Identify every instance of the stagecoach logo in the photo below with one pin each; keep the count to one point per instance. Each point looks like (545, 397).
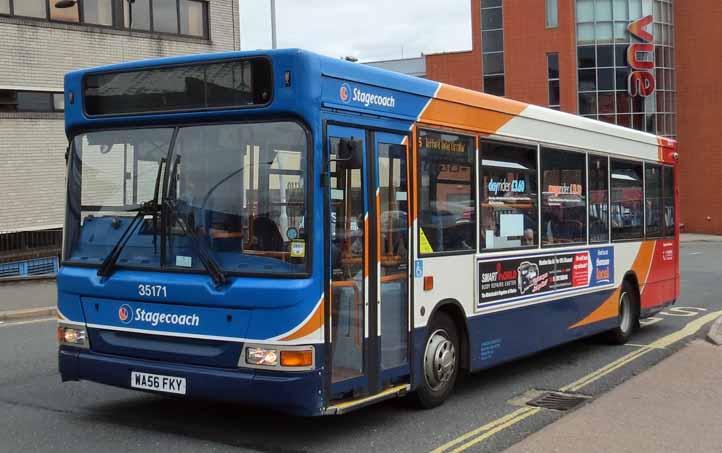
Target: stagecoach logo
(348, 94)
(345, 93)
(125, 313)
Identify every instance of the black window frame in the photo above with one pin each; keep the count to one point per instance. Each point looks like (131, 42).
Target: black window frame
(585, 193)
(118, 8)
(603, 157)
(271, 85)
(660, 197)
(551, 79)
(535, 148)
(641, 237)
(50, 95)
(472, 185)
(669, 232)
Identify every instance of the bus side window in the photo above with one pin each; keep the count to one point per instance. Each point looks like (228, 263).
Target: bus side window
(598, 199)
(564, 200)
(508, 192)
(627, 207)
(668, 201)
(447, 206)
(653, 200)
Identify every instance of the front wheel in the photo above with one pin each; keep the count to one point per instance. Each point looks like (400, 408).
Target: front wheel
(440, 362)
(628, 316)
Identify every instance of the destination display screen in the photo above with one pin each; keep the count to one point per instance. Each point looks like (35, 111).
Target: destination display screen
(226, 84)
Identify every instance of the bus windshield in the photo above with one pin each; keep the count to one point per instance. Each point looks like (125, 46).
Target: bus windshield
(237, 188)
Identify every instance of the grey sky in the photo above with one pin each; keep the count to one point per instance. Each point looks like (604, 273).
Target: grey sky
(368, 30)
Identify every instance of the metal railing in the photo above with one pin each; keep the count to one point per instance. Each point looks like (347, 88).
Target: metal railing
(24, 245)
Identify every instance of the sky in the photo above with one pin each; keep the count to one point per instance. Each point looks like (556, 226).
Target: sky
(369, 30)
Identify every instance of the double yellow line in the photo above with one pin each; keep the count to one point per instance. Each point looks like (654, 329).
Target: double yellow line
(482, 433)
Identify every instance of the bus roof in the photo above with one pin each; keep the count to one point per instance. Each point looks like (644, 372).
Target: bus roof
(369, 90)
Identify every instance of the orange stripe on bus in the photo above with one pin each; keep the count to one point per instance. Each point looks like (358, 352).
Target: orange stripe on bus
(313, 324)
(610, 307)
(459, 108)
(643, 262)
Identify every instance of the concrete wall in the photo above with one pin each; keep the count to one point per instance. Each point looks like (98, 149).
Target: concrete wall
(35, 55)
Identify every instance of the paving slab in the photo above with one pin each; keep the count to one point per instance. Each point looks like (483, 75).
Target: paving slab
(692, 237)
(674, 406)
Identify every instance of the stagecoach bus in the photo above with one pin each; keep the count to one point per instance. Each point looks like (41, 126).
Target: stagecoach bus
(311, 235)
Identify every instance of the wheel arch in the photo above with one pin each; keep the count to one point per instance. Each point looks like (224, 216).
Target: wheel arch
(631, 277)
(453, 309)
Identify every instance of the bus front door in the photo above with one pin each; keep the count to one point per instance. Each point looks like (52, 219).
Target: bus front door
(368, 255)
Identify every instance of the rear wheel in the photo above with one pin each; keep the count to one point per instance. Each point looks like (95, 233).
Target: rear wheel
(628, 315)
(440, 362)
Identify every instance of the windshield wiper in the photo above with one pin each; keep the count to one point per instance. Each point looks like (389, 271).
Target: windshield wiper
(209, 262)
(150, 207)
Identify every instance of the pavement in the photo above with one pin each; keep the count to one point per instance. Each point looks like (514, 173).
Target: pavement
(691, 237)
(27, 299)
(670, 407)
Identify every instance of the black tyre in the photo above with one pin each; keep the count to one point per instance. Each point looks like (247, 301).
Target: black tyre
(628, 315)
(440, 362)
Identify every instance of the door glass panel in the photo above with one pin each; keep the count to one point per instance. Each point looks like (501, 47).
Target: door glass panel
(393, 247)
(348, 253)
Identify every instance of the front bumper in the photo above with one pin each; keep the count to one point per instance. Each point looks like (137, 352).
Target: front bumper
(295, 393)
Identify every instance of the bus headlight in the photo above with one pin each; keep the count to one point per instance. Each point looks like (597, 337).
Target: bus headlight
(72, 336)
(277, 357)
(261, 356)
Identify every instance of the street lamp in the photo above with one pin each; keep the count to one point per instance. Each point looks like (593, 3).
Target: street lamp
(273, 24)
(65, 3)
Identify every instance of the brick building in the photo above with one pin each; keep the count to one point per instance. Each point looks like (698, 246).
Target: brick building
(574, 55)
(42, 42)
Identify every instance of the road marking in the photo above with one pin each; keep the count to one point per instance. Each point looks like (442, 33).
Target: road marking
(482, 433)
(683, 312)
(22, 323)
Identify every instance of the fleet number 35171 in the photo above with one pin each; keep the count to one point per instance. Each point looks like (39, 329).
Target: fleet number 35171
(152, 291)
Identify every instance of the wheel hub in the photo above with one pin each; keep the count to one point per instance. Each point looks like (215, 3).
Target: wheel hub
(625, 313)
(439, 360)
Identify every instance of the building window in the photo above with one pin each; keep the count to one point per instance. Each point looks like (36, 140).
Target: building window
(564, 198)
(447, 206)
(603, 40)
(165, 16)
(193, 20)
(552, 9)
(31, 101)
(627, 211)
(71, 14)
(508, 196)
(598, 199)
(185, 17)
(492, 43)
(98, 12)
(553, 78)
(31, 8)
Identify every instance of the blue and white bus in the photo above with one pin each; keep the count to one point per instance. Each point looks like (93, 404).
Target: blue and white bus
(310, 235)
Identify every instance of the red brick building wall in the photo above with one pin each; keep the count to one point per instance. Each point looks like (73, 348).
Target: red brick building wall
(527, 41)
(699, 94)
(460, 68)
